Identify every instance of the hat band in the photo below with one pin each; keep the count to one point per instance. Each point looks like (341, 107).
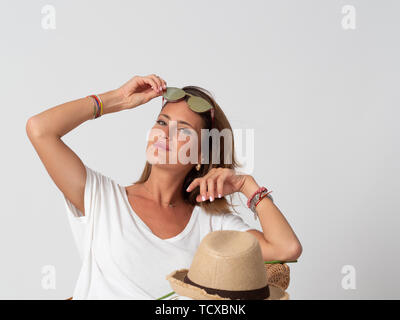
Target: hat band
(256, 294)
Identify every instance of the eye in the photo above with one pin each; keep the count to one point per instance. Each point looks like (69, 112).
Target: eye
(185, 131)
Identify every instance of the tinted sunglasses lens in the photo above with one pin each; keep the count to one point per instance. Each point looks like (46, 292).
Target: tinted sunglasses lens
(173, 94)
(198, 104)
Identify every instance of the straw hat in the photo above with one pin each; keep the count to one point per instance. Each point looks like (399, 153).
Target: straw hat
(228, 265)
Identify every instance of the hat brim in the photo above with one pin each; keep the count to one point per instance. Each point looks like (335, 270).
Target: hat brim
(182, 288)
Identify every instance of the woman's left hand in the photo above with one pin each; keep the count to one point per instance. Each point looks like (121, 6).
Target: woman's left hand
(218, 182)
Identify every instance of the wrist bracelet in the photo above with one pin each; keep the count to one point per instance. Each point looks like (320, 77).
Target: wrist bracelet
(101, 105)
(255, 199)
(261, 189)
(94, 106)
(98, 106)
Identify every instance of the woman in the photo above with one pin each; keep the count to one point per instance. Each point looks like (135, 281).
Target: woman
(131, 237)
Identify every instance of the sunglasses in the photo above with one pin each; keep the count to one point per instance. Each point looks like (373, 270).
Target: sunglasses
(197, 104)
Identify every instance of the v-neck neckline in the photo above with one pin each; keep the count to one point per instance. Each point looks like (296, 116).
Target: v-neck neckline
(179, 236)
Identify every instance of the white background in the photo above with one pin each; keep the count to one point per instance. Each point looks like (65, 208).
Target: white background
(323, 102)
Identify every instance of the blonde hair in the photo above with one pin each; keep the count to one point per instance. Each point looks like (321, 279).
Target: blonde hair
(219, 205)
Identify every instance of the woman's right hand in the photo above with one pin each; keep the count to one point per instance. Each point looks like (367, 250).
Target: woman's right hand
(139, 90)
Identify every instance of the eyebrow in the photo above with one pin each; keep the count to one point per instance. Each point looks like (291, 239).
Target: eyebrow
(180, 121)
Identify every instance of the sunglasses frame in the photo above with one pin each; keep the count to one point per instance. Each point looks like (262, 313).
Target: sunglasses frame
(190, 102)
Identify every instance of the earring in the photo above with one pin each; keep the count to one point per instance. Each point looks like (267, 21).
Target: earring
(198, 166)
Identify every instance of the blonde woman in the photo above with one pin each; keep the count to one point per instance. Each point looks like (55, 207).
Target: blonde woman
(131, 237)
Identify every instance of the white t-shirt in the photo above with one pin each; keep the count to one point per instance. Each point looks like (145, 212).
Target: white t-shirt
(121, 257)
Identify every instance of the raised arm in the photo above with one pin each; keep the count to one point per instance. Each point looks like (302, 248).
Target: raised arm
(46, 129)
(62, 164)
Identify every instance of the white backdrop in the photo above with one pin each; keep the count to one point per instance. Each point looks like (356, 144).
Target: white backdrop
(317, 81)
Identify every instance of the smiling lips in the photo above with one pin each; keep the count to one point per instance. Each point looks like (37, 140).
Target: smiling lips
(161, 145)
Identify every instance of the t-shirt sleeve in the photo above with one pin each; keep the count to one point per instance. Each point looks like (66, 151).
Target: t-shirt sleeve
(232, 221)
(96, 188)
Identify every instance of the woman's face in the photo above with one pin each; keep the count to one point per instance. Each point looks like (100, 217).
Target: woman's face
(174, 140)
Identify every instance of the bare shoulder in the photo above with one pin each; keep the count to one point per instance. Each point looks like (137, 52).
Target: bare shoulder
(134, 190)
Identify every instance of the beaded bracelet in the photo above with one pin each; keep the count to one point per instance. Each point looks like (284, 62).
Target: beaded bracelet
(99, 110)
(261, 189)
(255, 199)
(98, 106)
(95, 106)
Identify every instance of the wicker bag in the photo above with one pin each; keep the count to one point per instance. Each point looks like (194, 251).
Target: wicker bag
(278, 274)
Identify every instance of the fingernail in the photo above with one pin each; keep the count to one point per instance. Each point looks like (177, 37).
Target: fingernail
(219, 195)
(211, 199)
(203, 198)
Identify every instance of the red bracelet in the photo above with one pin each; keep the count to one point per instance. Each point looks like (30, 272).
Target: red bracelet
(262, 197)
(261, 189)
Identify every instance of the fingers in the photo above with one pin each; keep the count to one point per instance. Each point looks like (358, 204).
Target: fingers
(211, 185)
(159, 85)
(151, 82)
(220, 178)
(203, 189)
(220, 185)
(211, 182)
(163, 84)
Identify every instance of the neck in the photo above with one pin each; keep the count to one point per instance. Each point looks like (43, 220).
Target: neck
(165, 185)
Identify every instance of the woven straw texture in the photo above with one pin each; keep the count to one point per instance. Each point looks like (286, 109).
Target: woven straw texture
(278, 274)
